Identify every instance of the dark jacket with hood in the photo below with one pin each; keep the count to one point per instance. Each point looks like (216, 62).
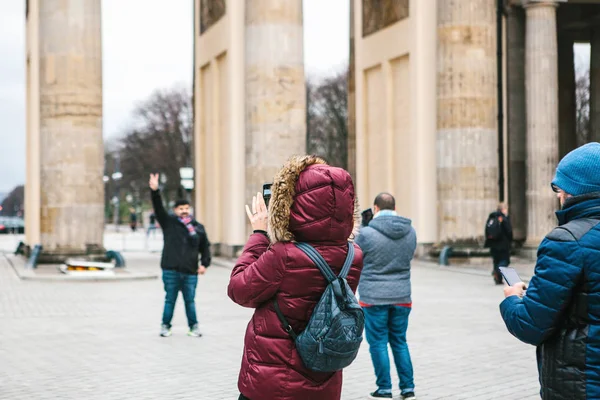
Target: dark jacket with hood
(503, 243)
(314, 203)
(388, 245)
(560, 312)
(180, 249)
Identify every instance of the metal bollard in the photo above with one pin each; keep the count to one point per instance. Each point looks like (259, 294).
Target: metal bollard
(445, 255)
(33, 258)
(117, 256)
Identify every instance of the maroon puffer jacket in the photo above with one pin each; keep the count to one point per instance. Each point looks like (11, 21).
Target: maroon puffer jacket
(322, 213)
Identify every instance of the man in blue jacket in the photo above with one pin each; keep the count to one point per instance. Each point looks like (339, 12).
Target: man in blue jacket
(388, 244)
(560, 310)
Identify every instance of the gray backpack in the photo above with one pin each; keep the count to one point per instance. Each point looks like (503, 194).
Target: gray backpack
(332, 337)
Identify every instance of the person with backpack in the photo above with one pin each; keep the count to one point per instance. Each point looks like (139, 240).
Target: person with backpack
(294, 350)
(498, 238)
(388, 244)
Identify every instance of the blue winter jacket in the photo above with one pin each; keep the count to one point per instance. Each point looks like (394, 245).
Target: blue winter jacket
(560, 312)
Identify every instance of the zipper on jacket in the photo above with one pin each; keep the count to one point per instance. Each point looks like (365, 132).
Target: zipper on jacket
(320, 341)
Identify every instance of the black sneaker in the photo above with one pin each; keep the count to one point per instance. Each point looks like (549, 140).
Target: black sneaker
(378, 395)
(409, 395)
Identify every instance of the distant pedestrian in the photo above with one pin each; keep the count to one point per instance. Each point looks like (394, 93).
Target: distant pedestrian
(132, 219)
(184, 240)
(151, 225)
(388, 244)
(498, 238)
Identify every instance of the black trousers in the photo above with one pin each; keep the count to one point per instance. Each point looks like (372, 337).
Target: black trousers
(500, 257)
(242, 397)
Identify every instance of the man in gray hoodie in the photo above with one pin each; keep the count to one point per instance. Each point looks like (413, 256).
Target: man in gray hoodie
(388, 244)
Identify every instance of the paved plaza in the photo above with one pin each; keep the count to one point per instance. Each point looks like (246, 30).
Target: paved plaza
(99, 340)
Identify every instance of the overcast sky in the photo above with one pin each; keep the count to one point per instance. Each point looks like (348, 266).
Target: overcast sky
(147, 44)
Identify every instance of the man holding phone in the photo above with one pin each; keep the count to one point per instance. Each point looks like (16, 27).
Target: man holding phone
(560, 312)
(388, 243)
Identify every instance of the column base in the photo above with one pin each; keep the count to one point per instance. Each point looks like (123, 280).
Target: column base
(529, 250)
(59, 256)
(227, 250)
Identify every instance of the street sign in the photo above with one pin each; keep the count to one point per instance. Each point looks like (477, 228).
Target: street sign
(187, 184)
(186, 173)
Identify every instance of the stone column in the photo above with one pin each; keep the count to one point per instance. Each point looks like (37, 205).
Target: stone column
(352, 100)
(32, 144)
(72, 152)
(595, 86)
(541, 73)
(467, 158)
(516, 120)
(567, 117)
(275, 88)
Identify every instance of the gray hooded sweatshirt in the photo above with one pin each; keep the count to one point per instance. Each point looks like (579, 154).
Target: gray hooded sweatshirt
(388, 244)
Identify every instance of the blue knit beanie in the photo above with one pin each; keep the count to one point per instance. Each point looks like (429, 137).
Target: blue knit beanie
(579, 171)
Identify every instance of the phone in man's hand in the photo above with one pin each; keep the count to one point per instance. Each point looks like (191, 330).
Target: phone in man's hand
(510, 275)
(267, 193)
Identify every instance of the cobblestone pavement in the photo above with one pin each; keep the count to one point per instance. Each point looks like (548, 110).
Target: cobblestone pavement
(99, 340)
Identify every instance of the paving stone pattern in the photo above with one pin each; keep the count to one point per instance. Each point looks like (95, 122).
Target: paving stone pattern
(99, 340)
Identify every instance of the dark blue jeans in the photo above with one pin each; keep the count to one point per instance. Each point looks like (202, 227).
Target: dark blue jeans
(383, 325)
(186, 283)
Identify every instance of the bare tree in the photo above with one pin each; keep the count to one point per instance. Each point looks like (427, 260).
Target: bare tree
(327, 118)
(160, 140)
(13, 204)
(582, 101)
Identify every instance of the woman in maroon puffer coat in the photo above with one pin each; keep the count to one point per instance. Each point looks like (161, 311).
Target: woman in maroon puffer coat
(314, 203)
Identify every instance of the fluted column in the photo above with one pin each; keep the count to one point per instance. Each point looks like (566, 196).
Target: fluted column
(275, 88)
(595, 85)
(467, 158)
(541, 72)
(72, 152)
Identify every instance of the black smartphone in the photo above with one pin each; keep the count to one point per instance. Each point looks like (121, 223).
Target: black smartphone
(267, 193)
(510, 275)
(367, 216)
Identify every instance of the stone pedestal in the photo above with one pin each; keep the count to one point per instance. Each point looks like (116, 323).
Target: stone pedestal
(542, 118)
(71, 155)
(516, 121)
(467, 159)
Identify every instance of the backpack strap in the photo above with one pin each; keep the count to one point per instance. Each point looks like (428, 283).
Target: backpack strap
(284, 322)
(325, 270)
(348, 262)
(318, 260)
(573, 231)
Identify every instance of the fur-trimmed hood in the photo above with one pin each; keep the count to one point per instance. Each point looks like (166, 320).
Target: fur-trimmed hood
(312, 201)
